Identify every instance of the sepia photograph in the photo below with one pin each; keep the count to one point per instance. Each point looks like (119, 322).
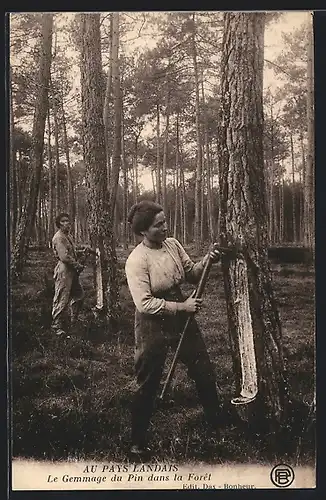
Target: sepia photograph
(161, 242)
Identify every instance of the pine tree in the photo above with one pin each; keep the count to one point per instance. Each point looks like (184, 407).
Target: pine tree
(28, 214)
(254, 326)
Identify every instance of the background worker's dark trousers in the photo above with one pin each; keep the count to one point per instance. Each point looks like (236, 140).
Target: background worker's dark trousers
(154, 335)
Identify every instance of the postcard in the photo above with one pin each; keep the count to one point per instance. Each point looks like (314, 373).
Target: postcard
(161, 221)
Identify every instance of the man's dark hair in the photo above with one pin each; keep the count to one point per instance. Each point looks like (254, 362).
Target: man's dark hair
(59, 217)
(142, 214)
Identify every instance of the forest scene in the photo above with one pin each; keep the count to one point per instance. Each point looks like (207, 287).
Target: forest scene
(211, 115)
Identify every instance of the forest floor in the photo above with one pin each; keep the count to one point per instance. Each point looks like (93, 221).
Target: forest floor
(71, 397)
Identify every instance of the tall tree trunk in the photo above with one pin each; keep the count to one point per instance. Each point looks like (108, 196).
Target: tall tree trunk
(165, 151)
(181, 212)
(19, 184)
(276, 229)
(27, 218)
(254, 326)
(94, 149)
(153, 183)
(78, 224)
(57, 197)
(38, 218)
(70, 187)
(202, 201)
(273, 229)
(176, 204)
(45, 220)
(271, 204)
(106, 108)
(199, 166)
(302, 182)
(116, 231)
(183, 191)
(13, 177)
(310, 161)
(204, 165)
(184, 207)
(281, 196)
(294, 223)
(299, 224)
(113, 286)
(177, 176)
(183, 229)
(218, 203)
(212, 207)
(209, 236)
(50, 198)
(207, 165)
(136, 189)
(271, 185)
(125, 187)
(158, 157)
(170, 219)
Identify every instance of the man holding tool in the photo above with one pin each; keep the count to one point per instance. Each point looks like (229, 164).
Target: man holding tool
(67, 287)
(155, 269)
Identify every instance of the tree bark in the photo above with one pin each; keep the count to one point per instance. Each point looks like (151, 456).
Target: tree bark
(106, 108)
(310, 161)
(254, 326)
(57, 197)
(38, 218)
(183, 191)
(302, 182)
(113, 311)
(208, 173)
(274, 229)
(135, 169)
(50, 196)
(210, 200)
(202, 200)
(27, 218)
(19, 183)
(177, 176)
(70, 187)
(45, 220)
(183, 208)
(13, 176)
(271, 212)
(158, 157)
(199, 166)
(165, 151)
(125, 187)
(294, 223)
(281, 196)
(94, 148)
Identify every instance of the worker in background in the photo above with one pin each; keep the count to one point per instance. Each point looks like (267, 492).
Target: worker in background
(67, 288)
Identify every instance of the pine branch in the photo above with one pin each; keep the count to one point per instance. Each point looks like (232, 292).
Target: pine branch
(281, 69)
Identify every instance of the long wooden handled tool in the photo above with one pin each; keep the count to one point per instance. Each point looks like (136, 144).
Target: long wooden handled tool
(196, 295)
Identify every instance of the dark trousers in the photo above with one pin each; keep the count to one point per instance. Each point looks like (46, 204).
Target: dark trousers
(154, 335)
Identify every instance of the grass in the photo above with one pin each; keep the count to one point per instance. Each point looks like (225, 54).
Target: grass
(71, 398)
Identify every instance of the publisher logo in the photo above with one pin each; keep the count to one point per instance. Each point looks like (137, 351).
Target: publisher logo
(282, 475)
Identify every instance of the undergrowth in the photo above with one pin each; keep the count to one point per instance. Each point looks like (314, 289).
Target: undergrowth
(71, 398)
